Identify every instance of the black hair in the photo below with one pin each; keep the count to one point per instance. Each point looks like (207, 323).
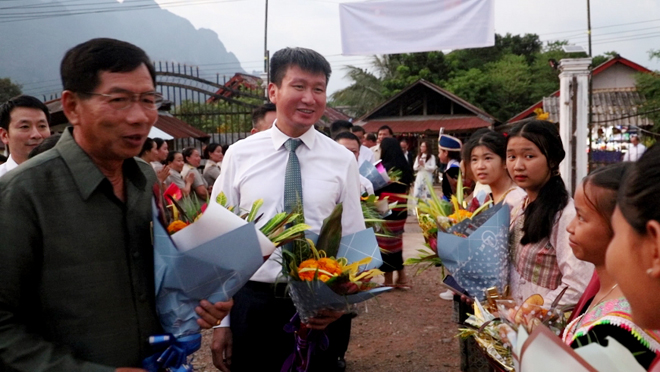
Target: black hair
(82, 64)
(386, 127)
(357, 128)
(170, 156)
(306, 59)
(3, 159)
(159, 142)
(608, 180)
(147, 146)
(638, 197)
(45, 145)
(392, 157)
(494, 141)
(455, 155)
(347, 135)
(371, 137)
(261, 111)
(553, 197)
(210, 149)
(20, 101)
(339, 126)
(429, 149)
(187, 152)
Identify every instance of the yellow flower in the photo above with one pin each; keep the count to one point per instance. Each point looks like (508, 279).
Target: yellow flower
(326, 268)
(460, 215)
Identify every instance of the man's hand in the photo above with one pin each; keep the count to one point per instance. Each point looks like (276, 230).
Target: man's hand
(221, 348)
(211, 314)
(323, 319)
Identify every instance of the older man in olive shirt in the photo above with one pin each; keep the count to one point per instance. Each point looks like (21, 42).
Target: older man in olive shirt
(76, 268)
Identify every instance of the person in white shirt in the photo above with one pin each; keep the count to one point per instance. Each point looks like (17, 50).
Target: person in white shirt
(365, 152)
(24, 124)
(352, 144)
(254, 168)
(424, 165)
(635, 150)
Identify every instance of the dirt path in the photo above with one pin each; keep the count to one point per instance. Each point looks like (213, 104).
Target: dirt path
(400, 331)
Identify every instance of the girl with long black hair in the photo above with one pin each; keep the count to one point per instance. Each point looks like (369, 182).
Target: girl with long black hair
(542, 260)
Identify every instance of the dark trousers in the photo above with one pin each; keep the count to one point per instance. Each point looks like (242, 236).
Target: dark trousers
(258, 317)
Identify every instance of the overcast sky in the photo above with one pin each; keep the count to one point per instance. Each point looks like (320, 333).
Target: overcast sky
(630, 27)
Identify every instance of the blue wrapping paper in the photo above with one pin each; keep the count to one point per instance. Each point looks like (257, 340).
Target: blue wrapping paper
(369, 171)
(214, 270)
(481, 260)
(312, 296)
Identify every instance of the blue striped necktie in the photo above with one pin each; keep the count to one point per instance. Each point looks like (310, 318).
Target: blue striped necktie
(292, 178)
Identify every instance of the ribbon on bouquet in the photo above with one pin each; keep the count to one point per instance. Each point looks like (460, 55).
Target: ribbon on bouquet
(306, 342)
(172, 353)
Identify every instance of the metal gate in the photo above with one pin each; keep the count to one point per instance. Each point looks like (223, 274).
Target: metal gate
(223, 112)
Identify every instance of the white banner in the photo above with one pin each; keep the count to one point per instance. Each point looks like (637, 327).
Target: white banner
(410, 26)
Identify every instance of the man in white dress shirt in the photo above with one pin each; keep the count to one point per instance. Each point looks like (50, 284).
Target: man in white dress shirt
(365, 153)
(23, 126)
(635, 150)
(254, 168)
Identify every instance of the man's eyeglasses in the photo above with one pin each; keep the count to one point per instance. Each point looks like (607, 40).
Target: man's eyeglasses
(124, 100)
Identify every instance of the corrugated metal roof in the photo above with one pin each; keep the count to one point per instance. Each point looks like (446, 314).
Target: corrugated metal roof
(428, 123)
(178, 128)
(330, 115)
(597, 70)
(610, 108)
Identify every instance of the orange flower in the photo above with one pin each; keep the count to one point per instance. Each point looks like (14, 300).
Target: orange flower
(460, 215)
(326, 268)
(176, 226)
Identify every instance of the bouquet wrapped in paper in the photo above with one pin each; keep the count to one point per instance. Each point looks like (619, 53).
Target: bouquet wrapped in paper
(473, 246)
(496, 324)
(376, 173)
(205, 252)
(331, 272)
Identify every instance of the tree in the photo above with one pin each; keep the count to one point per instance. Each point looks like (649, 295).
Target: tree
(8, 89)
(649, 86)
(365, 93)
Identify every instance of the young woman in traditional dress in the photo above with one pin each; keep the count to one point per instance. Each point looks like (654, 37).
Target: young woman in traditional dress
(607, 312)
(542, 261)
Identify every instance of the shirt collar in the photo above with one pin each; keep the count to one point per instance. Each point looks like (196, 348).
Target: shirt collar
(86, 175)
(308, 138)
(10, 163)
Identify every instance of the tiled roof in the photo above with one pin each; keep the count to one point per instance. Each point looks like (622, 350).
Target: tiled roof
(617, 107)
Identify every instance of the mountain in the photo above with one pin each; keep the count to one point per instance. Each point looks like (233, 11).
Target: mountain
(35, 34)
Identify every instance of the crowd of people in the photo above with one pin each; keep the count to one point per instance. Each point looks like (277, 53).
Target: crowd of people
(77, 276)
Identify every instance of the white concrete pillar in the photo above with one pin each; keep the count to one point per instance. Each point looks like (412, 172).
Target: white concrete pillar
(574, 126)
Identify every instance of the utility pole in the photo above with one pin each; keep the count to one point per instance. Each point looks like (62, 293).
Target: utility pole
(590, 111)
(266, 54)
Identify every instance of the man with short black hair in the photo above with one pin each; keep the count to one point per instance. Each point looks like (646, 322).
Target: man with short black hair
(256, 168)
(365, 153)
(77, 286)
(339, 126)
(263, 117)
(24, 124)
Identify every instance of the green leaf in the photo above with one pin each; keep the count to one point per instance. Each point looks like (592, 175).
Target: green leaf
(222, 199)
(254, 210)
(330, 235)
